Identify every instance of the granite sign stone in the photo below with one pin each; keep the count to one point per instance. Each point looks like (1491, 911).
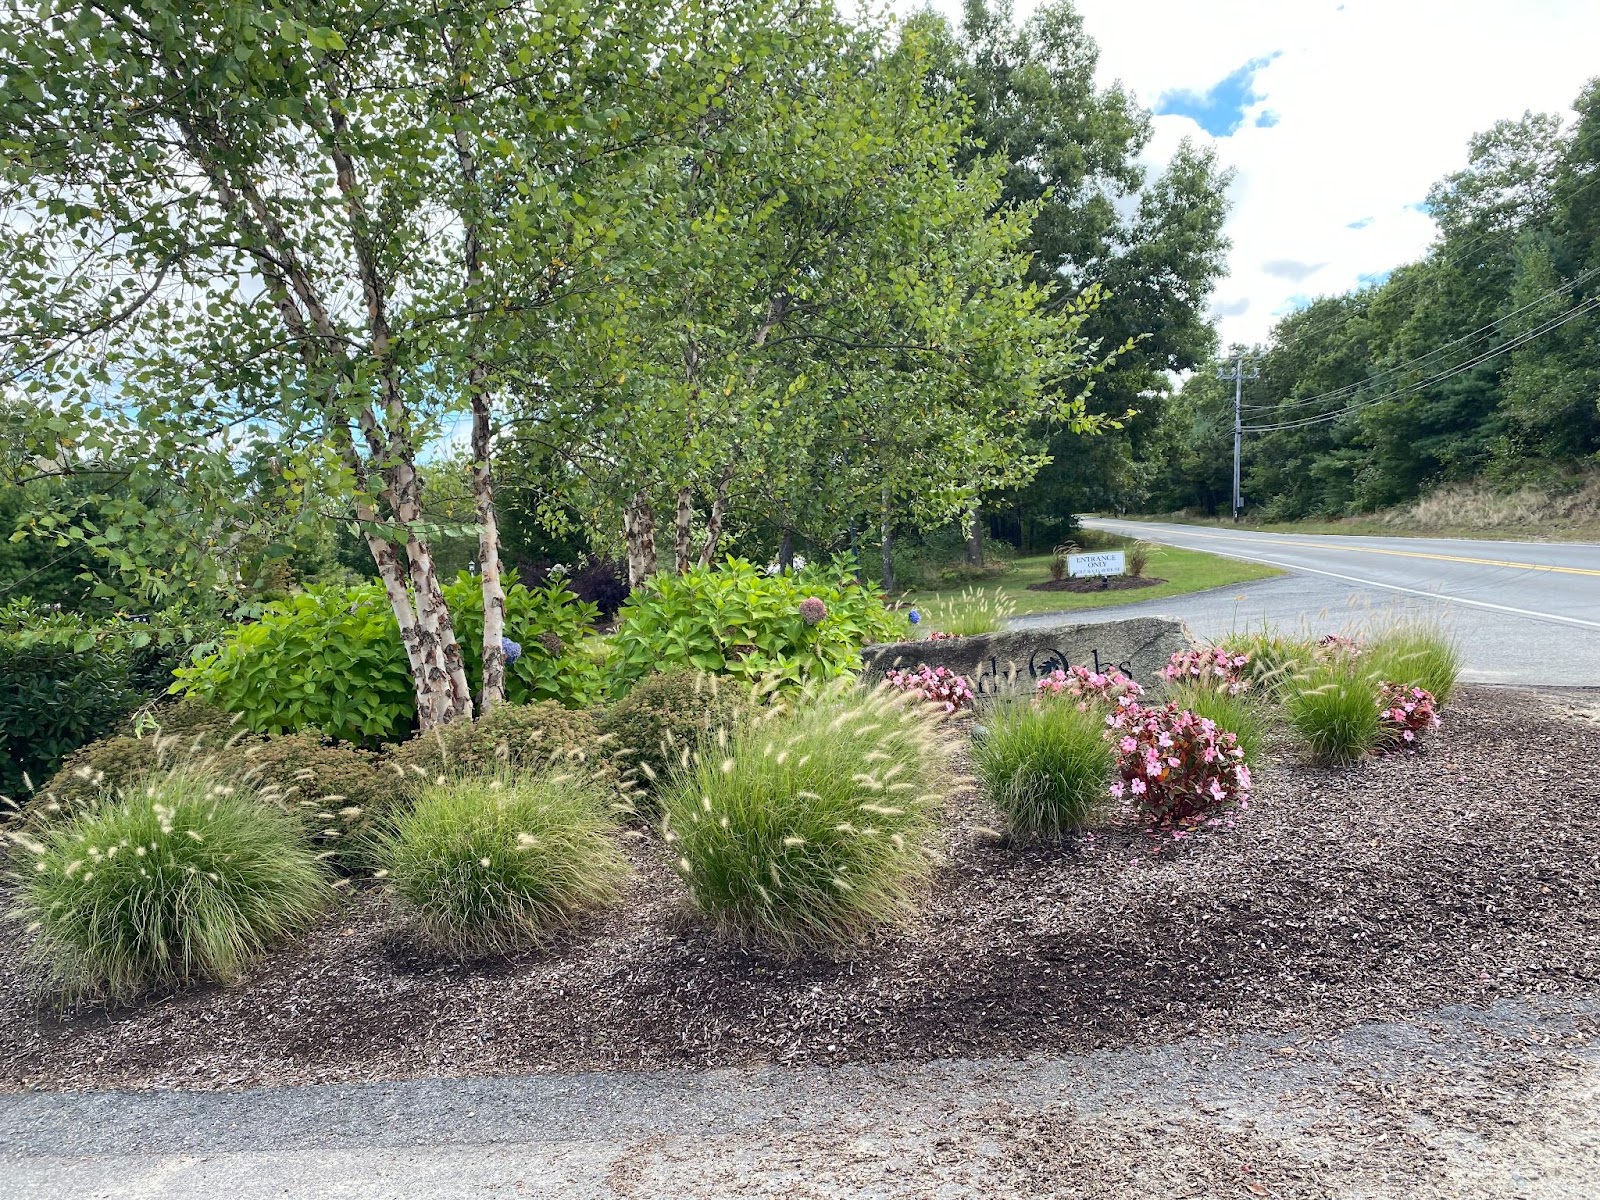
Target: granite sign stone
(1015, 658)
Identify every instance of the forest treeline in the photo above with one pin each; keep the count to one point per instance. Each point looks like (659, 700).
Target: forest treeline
(1481, 361)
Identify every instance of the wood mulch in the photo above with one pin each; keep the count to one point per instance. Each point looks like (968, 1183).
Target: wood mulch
(1110, 583)
(1466, 872)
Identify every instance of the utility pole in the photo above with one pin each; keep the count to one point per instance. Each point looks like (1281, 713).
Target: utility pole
(1238, 373)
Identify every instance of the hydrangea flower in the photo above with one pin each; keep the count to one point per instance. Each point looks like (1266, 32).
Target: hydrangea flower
(512, 650)
(813, 610)
(914, 617)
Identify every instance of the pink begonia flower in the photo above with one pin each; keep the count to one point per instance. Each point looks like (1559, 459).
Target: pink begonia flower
(1118, 788)
(1138, 787)
(1129, 745)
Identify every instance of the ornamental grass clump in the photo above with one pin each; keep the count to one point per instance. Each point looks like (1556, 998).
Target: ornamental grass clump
(182, 879)
(1046, 766)
(492, 863)
(811, 826)
(1238, 713)
(969, 611)
(1178, 767)
(1332, 707)
(1416, 654)
(1272, 659)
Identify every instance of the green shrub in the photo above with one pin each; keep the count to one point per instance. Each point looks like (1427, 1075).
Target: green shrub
(1416, 654)
(734, 619)
(518, 737)
(1333, 707)
(488, 864)
(811, 826)
(180, 881)
(969, 611)
(1244, 715)
(666, 718)
(1045, 764)
(331, 658)
(336, 792)
(67, 679)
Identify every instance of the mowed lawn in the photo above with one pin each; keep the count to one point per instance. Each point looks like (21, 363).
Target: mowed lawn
(1183, 570)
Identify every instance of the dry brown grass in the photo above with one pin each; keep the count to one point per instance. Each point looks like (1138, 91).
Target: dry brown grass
(1529, 509)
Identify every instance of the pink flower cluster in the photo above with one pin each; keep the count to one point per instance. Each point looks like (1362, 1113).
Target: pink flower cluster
(1181, 769)
(936, 685)
(1406, 712)
(813, 610)
(1333, 644)
(1210, 665)
(1086, 686)
(940, 636)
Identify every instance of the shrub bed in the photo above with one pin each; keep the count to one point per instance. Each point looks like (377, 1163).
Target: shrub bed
(521, 737)
(737, 620)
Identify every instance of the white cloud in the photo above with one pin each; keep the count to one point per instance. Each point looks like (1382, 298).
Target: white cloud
(1374, 101)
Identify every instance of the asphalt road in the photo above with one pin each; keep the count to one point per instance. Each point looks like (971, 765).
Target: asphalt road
(1525, 612)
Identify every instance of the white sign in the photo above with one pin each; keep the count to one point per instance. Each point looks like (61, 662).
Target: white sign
(1113, 562)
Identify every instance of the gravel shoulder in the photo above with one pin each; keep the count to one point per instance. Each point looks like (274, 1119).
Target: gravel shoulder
(1465, 1102)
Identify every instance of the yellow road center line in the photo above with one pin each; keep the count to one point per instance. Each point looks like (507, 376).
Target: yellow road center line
(1458, 558)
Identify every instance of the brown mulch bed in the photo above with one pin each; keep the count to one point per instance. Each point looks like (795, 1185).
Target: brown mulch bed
(1466, 872)
(1111, 583)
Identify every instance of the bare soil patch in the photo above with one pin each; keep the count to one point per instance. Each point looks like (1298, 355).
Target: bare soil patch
(1111, 583)
(1465, 873)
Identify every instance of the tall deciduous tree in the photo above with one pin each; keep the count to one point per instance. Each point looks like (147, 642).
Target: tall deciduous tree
(314, 227)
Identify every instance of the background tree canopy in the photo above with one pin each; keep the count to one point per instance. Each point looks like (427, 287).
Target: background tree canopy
(1480, 361)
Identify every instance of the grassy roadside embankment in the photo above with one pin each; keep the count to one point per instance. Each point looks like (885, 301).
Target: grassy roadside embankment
(1183, 570)
(1566, 512)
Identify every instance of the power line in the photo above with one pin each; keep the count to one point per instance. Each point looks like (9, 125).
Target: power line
(1513, 343)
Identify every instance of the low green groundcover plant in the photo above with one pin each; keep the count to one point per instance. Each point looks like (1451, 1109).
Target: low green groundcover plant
(735, 619)
(330, 658)
(183, 879)
(811, 825)
(668, 717)
(1045, 763)
(495, 862)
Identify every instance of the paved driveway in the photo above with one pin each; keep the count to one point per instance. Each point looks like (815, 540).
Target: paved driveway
(1526, 612)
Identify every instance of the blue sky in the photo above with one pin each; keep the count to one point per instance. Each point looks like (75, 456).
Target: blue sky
(1336, 116)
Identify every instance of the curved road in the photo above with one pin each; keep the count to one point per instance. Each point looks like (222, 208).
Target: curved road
(1525, 612)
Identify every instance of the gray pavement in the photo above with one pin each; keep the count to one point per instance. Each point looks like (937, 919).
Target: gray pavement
(1525, 612)
(1463, 1102)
